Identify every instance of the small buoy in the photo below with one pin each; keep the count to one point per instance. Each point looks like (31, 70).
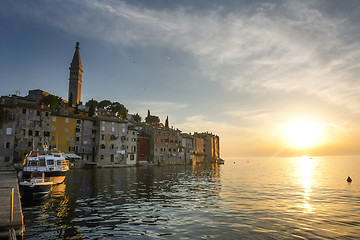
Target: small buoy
(349, 179)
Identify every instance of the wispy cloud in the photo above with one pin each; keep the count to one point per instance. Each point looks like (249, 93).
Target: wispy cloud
(290, 46)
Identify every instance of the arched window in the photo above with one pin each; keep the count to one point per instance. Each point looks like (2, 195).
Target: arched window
(112, 158)
(102, 157)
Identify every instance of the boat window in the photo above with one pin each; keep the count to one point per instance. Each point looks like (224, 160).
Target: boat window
(50, 162)
(61, 162)
(42, 161)
(32, 163)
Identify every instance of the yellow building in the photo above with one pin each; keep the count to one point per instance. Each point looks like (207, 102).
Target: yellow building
(62, 133)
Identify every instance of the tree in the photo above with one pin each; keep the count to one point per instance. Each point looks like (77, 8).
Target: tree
(92, 104)
(118, 109)
(137, 118)
(51, 100)
(167, 122)
(105, 104)
(147, 119)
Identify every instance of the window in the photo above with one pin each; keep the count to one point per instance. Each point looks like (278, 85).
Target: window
(7, 159)
(102, 157)
(102, 146)
(24, 110)
(29, 144)
(102, 136)
(112, 146)
(46, 114)
(37, 113)
(132, 157)
(37, 133)
(53, 128)
(71, 149)
(8, 131)
(11, 117)
(52, 138)
(103, 128)
(133, 133)
(66, 130)
(78, 121)
(77, 139)
(112, 158)
(7, 145)
(83, 149)
(54, 118)
(66, 120)
(30, 133)
(113, 129)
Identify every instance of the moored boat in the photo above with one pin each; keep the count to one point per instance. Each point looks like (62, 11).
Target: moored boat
(220, 161)
(53, 164)
(36, 184)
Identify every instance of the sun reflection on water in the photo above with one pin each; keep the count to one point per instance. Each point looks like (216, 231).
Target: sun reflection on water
(306, 169)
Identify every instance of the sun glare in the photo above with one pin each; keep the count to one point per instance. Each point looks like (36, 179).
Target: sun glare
(303, 133)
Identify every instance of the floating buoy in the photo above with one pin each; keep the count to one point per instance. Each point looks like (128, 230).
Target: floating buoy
(349, 179)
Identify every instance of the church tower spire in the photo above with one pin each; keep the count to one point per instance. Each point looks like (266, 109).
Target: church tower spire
(75, 79)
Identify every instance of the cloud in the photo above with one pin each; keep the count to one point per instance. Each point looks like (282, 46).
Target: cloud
(291, 46)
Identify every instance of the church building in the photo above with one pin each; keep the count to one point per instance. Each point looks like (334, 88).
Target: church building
(75, 79)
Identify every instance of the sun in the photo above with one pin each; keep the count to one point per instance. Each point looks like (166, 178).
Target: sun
(303, 133)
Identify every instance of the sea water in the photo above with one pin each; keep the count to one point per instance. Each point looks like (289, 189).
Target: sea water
(246, 198)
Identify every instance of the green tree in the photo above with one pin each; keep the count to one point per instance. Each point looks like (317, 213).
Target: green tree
(167, 122)
(137, 118)
(92, 104)
(118, 109)
(147, 119)
(52, 101)
(105, 104)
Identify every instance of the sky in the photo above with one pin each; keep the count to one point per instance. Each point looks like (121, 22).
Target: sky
(248, 71)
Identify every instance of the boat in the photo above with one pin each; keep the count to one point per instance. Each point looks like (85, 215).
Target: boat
(53, 164)
(220, 161)
(36, 184)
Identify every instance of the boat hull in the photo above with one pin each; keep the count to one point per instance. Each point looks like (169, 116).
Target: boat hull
(56, 177)
(40, 188)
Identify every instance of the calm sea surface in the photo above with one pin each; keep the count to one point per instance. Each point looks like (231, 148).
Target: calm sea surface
(247, 198)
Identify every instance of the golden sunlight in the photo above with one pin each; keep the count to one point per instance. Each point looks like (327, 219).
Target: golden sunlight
(303, 133)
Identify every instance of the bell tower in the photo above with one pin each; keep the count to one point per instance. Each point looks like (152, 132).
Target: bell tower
(75, 79)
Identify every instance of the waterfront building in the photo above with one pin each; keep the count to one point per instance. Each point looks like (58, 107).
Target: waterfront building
(210, 152)
(85, 135)
(187, 147)
(131, 145)
(164, 144)
(110, 142)
(143, 147)
(75, 79)
(199, 149)
(62, 133)
(24, 126)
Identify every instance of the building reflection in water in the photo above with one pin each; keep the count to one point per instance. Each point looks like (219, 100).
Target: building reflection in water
(118, 197)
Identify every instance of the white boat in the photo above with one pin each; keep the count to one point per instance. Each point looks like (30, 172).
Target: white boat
(35, 185)
(53, 164)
